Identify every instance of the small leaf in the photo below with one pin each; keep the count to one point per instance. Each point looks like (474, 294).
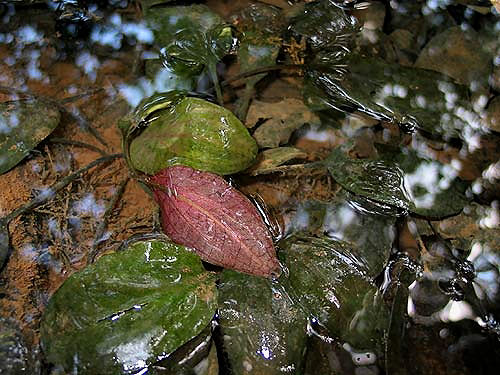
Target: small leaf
(328, 31)
(191, 38)
(263, 329)
(281, 120)
(268, 160)
(188, 131)
(128, 310)
(373, 179)
(202, 211)
(23, 125)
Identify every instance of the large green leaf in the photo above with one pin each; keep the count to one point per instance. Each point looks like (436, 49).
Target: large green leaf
(192, 132)
(409, 97)
(329, 282)
(23, 125)
(129, 309)
(264, 331)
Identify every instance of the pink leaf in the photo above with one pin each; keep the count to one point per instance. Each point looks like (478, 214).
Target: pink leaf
(202, 211)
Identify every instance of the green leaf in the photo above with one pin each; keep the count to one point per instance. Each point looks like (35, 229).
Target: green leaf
(129, 309)
(328, 30)
(433, 188)
(264, 331)
(410, 97)
(330, 283)
(373, 179)
(23, 125)
(191, 38)
(188, 131)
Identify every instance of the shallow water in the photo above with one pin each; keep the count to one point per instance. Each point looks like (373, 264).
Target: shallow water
(389, 194)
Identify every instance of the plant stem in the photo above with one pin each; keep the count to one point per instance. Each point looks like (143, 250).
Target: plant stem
(212, 72)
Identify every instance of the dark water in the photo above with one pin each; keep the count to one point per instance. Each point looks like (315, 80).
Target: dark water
(393, 112)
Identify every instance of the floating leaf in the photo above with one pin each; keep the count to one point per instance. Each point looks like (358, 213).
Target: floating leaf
(264, 331)
(23, 125)
(281, 120)
(329, 281)
(328, 30)
(268, 160)
(202, 211)
(191, 38)
(435, 191)
(409, 97)
(129, 309)
(373, 179)
(188, 131)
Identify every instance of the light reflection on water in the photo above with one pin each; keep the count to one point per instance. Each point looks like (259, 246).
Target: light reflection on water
(24, 49)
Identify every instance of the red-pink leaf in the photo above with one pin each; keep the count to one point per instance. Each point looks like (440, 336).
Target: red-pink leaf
(202, 211)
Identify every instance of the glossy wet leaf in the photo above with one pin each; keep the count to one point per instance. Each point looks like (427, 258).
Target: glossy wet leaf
(264, 330)
(202, 211)
(191, 38)
(434, 190)
(409, 97)
(23, 125)
(373, 179)
(331, 284)
(128, 309)
(193, 132)
(328, 31)
(268, 160)
(280, 120)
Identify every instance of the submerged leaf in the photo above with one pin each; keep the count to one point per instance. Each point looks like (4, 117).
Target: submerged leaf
(128, 310)
(188, 131)
(202, 211)
(281, 120)
(330, 283)
(268, 161)
(264, 331)
(23, 125)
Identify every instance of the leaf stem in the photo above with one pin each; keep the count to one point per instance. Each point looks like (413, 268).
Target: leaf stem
(212, 72)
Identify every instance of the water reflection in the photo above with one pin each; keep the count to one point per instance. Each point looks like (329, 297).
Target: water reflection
(392, 83)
